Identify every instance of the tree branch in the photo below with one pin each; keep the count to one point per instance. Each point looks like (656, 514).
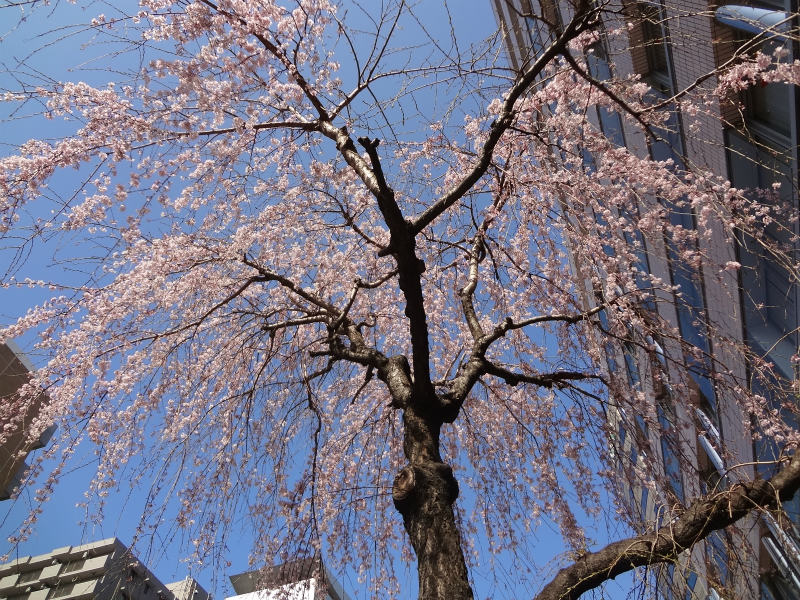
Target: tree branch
(409, 267)
(273, 49)
(477, 365)
(482, 345)
(547, 380)
(608, 92)
(267, 275)
(467, 292)
(704, 516)
(317, 318)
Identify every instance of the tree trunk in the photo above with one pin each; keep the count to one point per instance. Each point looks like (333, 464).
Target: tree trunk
(424, 492)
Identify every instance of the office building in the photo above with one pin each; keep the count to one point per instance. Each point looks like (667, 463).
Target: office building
(104, 570)
(751, 140)
(301, 579)
(15, 369)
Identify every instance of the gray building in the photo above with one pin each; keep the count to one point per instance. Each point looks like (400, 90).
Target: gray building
(104, 570)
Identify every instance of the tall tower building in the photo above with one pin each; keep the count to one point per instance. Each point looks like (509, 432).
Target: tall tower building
(751, 140)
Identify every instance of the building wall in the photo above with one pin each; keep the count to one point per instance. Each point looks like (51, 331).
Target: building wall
(188, 589)
(14, 372)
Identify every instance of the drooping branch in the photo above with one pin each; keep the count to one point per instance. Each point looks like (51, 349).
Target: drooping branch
(343, 315)
(476, 255)
(594, 82)
(267, 275)
(402, 235)
(706, 515)
(324, 124)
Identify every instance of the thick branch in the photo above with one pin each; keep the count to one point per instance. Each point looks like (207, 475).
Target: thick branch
(482, 345)
(316, 318)
(703, 517)
(547, 380)
(301, 125)
(344, 143)
(343, 315)
(402, 247)
(467, 293)
(393, 371)
(387, 204)
(402, 237)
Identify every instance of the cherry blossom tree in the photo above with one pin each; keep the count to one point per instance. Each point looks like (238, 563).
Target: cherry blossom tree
(327, 275)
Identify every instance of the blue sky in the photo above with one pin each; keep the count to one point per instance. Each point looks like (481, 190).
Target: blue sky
(61, 522)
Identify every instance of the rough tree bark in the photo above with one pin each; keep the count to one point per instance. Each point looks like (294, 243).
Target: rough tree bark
(424, 492)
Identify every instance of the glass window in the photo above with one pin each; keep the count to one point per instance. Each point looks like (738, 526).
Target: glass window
(672, 467)
(75, 565)
(691, 581)
(769, 107)
(629, 353)
(610, 121)
(718, 556)
(608, 344)
(656, 44)
(670, 575)
(63, 589)
(643, 503)
(770, 300)
(690, 303)
(536, 37)
(768, 451)
(669, 143)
